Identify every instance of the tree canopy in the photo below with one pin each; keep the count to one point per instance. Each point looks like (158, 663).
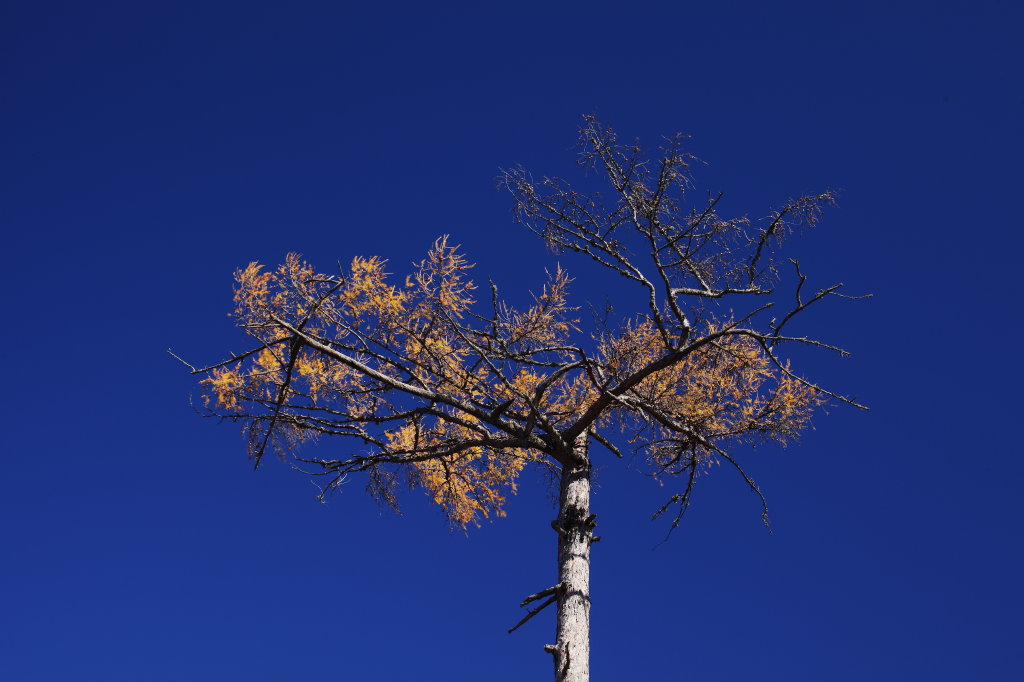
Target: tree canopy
(441, 385)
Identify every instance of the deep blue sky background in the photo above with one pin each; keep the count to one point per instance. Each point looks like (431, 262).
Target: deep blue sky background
(149, 149)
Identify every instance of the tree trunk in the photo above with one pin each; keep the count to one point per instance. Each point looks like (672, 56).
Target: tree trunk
(575, 530)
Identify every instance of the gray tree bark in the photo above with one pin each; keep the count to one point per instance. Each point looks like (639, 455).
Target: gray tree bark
(575, 527)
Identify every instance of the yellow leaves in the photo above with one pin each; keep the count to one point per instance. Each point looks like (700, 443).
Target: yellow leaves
(636, 346)
(709, 380)
(727, 388)
(571, 396)
(367, 293)
(790, 407)
(295, 271)
(316, 371)
(546, 322)
(286, 292)
(469, 482)
(224, 384)
(423, 333)
(230, 387)
(251, 291)
(441, 283)
(267, 361)
(437, 360)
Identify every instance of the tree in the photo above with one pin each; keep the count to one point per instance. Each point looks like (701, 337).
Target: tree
(438, 394)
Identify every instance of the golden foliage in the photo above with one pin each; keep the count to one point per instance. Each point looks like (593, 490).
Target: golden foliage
(458, 398)
(469, 484)
(728, 388)
(424, 334)
(410, 333)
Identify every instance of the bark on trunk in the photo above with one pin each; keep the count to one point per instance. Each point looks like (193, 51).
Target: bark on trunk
(575, 530)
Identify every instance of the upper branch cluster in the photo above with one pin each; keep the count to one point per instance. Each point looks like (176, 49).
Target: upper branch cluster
(458, 397)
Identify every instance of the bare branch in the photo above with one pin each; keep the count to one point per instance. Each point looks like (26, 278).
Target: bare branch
(533, 612)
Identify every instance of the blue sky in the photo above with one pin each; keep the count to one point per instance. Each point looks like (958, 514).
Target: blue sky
(149, 149)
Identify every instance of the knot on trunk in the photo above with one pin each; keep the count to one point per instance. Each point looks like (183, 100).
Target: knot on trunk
(574, 521)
